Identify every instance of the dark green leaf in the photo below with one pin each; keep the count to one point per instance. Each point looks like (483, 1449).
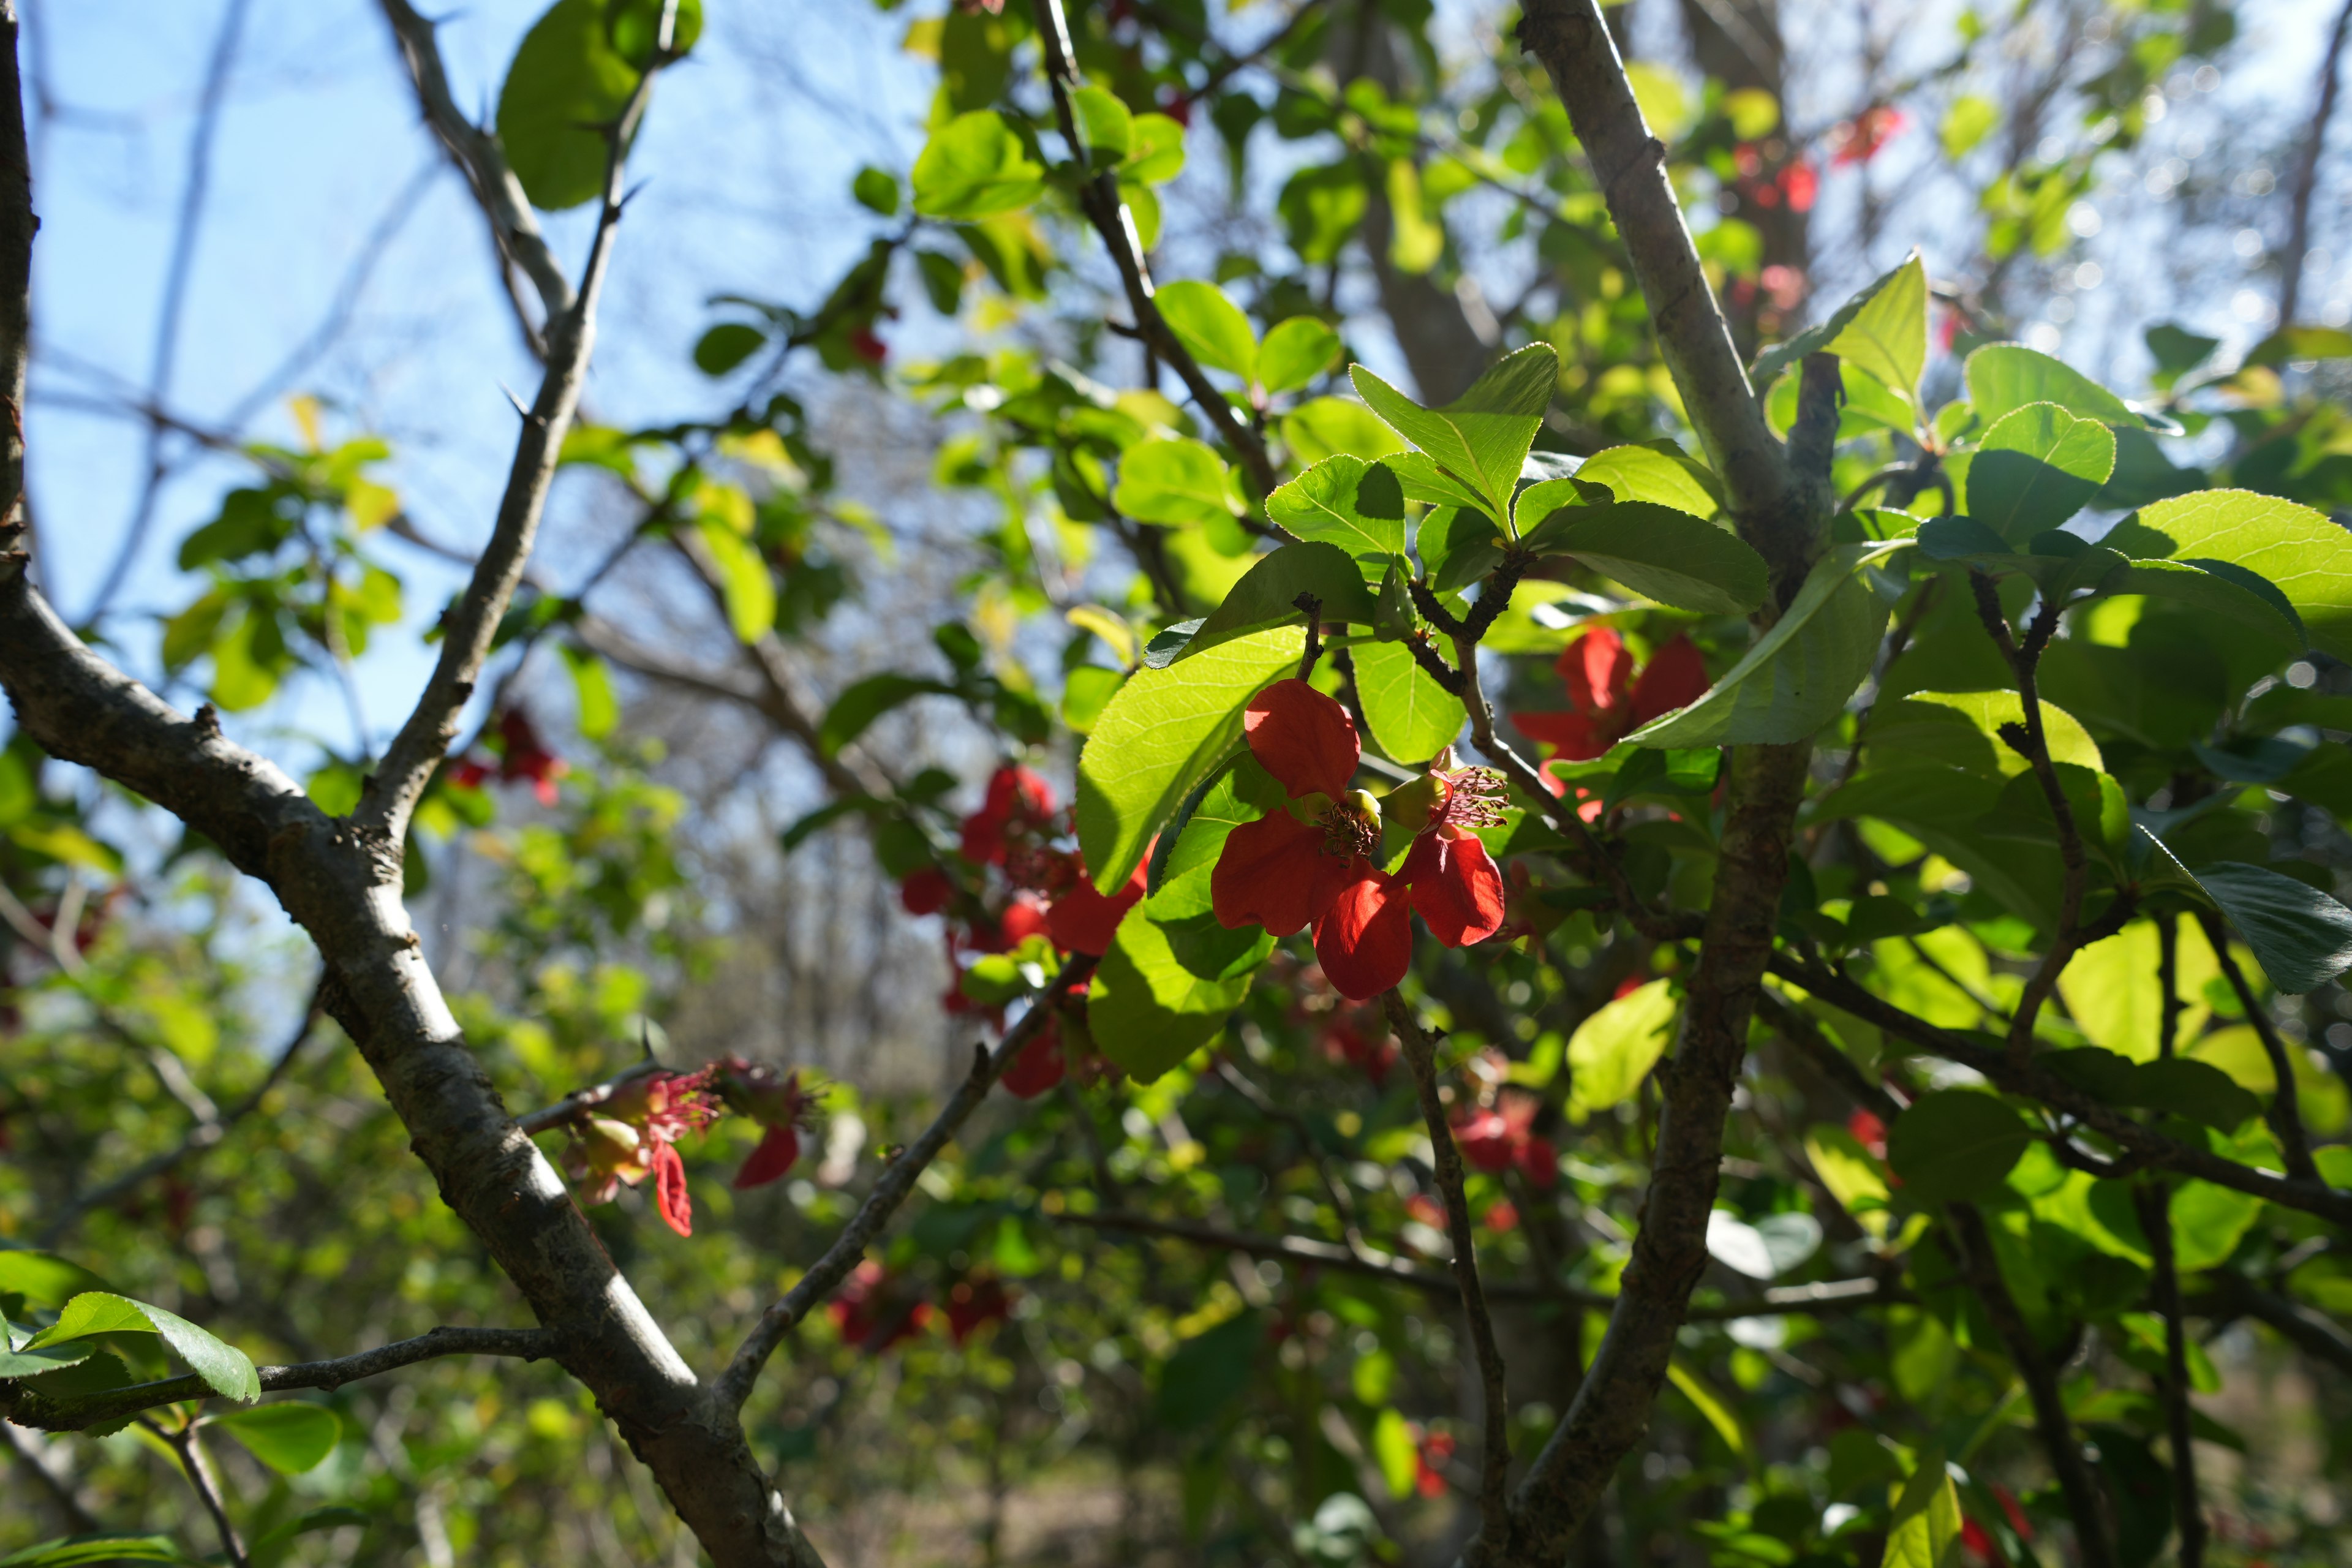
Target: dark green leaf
(726, 345)
(2039, 466)
(1669, 555)
(865, 701)
(87, 1550)
(1955, 1145)
(2301, 937)
(1209, 1372)
(1267, 595)
(228, 1370)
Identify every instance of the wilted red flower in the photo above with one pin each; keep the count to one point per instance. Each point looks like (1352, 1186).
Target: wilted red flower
(973, 1303)
(630, 1136)
(1857, 140)
(526, 757)
(1606, 701)
(777, 1102)
(1311, 862)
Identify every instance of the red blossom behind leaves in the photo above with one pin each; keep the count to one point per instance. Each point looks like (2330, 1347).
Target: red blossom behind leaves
(1040, 1065)
(1607, 700)
(1498, 1138)
(1430, 1454)
(527, 758)
(926, 891)
(973, 1303)
(876, 1310)
(1858, 140)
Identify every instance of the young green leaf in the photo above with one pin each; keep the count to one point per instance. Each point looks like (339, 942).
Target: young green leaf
(1348, 502)
(744, 579)
(1669, 555)
(1294, 352)
(974, 165)
(89, 1551)
(1955, 1143)
(1482, 437)
(1888, 335)
(289, 1437)
(1164, 733)
(567, 82)
(1411, 715)
(2301, 551)
(1328, 427)
(2005, 377)
(1146, 1009)
(1268, 595)
(1773, 361)
(1614, 1049)
(1644, 473)
(1925, 1532)
(2039, 466)
(1175, 481)
(1796, 676)
(1105, 125)
(1210, 325)
(228, 1370)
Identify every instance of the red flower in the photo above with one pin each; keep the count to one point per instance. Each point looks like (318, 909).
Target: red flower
(1799, 181)
(669, 1189)
(1019, 805)
(1606, 701)
(973, 1303)
(469, 773)
(1427, 1210)
(1024, 917)
(1040, 1065)
(632, 1134)
(1085, 920)
(1178, 107)
(1312, 863)
(864, 344)
(926, 891)
(777, 1154)
(1503, 1218)
(527, 758)
(1345, 1043)
(1498, 1139)
(874, 1310)
(1432, 1452)
(1858, 139)
(1869, 1132)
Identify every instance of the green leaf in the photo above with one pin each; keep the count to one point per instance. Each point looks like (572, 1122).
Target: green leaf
(2039, 466)
(1773, 361)
(1176, 481)
(1210, 325)
(249, 523)
(1963, 728)
(1105, 125)
(1346, 502)
(1411, 715)
(1644, 473)
(744, 579)
(1482, 437)
(2005, 377)
(864, 702)
(1209, 1372)
(1146, 1009)
(1416, 237)
(2197, 1090)
(1668, 555)
(973, 166)
(289, 1437)
(2221, 589)
(1396, 1453)
(1084, 690)
(1164, 733)
(1888, 335)
(1955, 1143)
(1327, 427)
(43, 1279)
(1798, 676)
(1718, 1414)
(877, 190)
(1268, 597)
(309, 1522)
(2301, 937)
(229, 1371)
(1925, 1530)
(1852, 1175)
(726, 345)
(1243, 793)
(78, 1551)
(1322, 208)
(1614, 1049)
(1294, 352)
(2304, 554)
(1970, 119)
(591, 687)
(2291, 343)
(569, 78)
(48, 1358)
(1156, 149)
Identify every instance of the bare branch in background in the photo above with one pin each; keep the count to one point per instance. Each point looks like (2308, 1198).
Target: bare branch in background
(2313, 139)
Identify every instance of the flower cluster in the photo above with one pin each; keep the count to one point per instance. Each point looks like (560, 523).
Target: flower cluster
(1606, 699)
(522, 757)
(1031, 881)
(633, 1133)
(1499, 1135)
(1766, 181)
(878, 1307)
(1313, 862)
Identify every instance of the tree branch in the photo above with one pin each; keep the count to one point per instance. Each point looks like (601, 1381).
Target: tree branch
(897, 1180)
(2155, 1202)
(188, 1444)
(2286, 1106)
(470, 626)
(2312, 1331)
(1495, 1460)
(76, 1413)
(2314, 137)
(1981, 1268)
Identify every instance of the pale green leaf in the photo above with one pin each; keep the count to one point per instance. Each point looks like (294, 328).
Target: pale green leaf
(1294, 352)
(1614, 1049)
(2038, 466)
(2303, 552)
(1346, 502)
(1411, 715)
(1888, 336)
(289, 1437)
(744, 579)
(1147, 1011)
(1644, 473)
(1105, 125)
(1327, 427)
(1173, 481)
(228, 1370)
(2005, 377)
(1925, 1532)
(1482, 437)
(1210, 325)
(973, 166)
(1668, 555)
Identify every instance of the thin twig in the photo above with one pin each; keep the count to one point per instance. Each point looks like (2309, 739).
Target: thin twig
(2314, 137)
(2286, 1109)
(2155, 1201)
(177, 271)
(1495, 1461)
(73, 1413)
(188, 1445)
(898, 1179)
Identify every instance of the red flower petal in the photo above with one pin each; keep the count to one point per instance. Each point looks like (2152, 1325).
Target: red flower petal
(1302, 738)
(1486, 1141)
(1540, 1161)
(1038, 1068)
(1364, 942)
(1456, 889)
(1267, 875)
(1675, 679)
(669, 1189)
(1024, 917)
(775, 1155)
(1573, 737)
(1595, 666)
(1084, 921)
(925, 891)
